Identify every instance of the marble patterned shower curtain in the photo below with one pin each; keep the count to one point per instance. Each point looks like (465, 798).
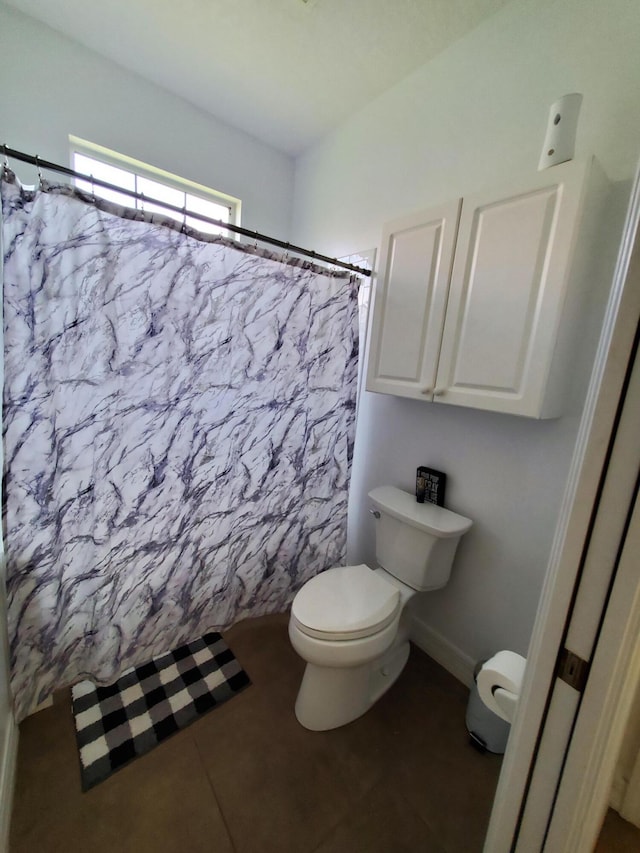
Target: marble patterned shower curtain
(178, 426)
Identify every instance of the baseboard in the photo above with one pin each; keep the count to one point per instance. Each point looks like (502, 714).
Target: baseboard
(618, 789)
(443, 652)
(7, 780)
(48, 703)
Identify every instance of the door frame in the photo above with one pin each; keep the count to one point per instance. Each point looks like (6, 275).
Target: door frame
(526, 754)
(585, 784)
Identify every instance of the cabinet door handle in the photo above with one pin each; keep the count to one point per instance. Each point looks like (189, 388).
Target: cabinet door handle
(427, 391)
(439, 392)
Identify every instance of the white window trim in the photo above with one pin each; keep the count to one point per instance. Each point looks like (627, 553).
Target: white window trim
(130, 164)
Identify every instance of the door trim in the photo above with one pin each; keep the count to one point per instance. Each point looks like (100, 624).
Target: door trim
(585, 785)
(575, 519)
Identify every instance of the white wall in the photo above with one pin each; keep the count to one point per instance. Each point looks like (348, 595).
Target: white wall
(473, 117)
(51, 87)
(625, 791)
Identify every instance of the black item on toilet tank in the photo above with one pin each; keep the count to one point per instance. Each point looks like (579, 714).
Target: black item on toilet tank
(430, 485)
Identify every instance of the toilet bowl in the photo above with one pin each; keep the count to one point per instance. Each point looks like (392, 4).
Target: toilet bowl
(351, 623)
(352, 659)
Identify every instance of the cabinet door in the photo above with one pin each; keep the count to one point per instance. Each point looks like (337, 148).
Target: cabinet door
(410, 301)
(508, 287)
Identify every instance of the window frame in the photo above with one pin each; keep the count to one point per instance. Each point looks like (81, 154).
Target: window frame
(146, 170)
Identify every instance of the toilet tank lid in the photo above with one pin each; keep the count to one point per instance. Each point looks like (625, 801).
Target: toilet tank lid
(433, 519)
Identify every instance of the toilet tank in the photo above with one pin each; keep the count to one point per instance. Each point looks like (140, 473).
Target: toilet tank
(415, 542)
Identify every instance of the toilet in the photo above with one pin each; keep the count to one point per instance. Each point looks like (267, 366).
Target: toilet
(351, 624)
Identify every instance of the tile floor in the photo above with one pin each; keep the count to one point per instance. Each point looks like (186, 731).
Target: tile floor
(618, 836)
(248, 778)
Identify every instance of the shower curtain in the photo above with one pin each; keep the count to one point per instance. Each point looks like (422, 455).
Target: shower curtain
(178, 428)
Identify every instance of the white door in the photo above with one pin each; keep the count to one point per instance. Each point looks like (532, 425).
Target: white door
(584, 786)
(410, 302)
(508, 289)
(554, 786)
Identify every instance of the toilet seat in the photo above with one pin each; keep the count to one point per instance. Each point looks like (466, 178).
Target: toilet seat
(345, 603)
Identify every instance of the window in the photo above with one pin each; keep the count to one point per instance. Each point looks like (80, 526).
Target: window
(130, 174)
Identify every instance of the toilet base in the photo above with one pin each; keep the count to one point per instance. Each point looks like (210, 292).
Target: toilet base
(330, 697)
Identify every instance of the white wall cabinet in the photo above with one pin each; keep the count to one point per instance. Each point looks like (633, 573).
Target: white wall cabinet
(409, 308)
(476, 304)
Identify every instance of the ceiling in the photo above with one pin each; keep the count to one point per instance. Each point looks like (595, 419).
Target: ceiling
(285, 71)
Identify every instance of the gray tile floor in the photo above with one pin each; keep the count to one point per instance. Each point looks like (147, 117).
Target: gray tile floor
(618, 836)
(248, 778)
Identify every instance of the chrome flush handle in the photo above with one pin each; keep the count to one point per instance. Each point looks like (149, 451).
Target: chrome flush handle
(374, 513)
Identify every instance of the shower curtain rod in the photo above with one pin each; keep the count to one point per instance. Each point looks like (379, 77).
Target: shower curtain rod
(237, 229)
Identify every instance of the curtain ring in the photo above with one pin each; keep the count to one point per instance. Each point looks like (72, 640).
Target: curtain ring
(39, 172)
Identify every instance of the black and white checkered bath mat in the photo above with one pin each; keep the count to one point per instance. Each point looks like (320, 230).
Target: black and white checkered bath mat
(147, 704)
